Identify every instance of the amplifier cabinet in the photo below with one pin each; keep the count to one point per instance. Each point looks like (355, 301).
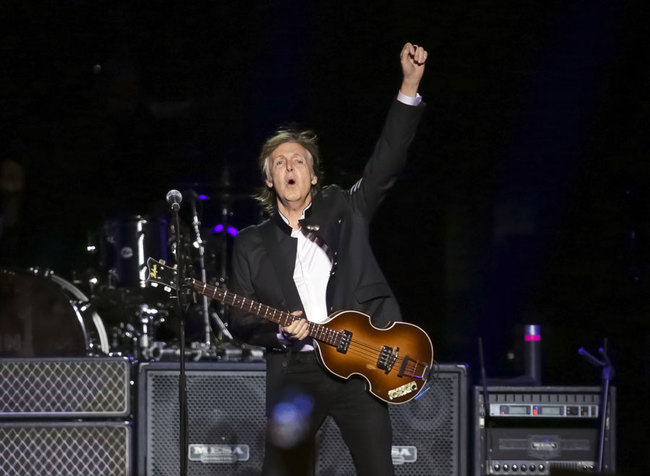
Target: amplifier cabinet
(64, 388)
(539, 429)
(226, 418)
(429, 432)
(226, 423)
(65, 448)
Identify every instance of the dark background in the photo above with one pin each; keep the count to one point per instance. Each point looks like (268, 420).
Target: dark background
(525, 200)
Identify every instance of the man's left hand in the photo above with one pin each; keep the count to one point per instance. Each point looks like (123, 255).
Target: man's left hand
(412, 59)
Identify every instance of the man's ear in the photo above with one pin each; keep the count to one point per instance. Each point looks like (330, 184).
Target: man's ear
(314, 180)
(269, 183)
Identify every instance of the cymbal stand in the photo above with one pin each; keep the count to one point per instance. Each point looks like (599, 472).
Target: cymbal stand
(196, 224)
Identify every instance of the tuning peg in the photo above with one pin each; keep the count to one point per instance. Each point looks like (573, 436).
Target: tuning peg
(161, 261)
(175, 266)
(153, 285)
(167, 289)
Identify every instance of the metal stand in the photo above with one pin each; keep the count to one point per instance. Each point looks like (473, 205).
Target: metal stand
(607, 375)
(174, 198)
(196, 224)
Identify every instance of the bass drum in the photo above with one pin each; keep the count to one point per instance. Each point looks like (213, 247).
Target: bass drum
(43, 315)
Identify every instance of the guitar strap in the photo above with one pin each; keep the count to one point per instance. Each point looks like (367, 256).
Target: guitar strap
(281, 258)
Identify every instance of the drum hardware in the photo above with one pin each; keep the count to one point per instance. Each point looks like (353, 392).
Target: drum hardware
(124, 341)
(140, 338)
(146, 321)
(87, 281)
(162, 351)
(199, 244)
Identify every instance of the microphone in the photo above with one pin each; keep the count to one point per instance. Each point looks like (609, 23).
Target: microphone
(174, 198)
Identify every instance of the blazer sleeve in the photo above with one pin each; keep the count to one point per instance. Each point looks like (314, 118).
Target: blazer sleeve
(388, 158)
(245, 326)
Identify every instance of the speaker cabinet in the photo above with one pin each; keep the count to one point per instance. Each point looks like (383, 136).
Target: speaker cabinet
(429, 433)
(64, 388)
(66, 448)
(542, 430)
(226, 418)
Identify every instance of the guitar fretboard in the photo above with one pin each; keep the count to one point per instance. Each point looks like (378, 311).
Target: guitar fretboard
(316, 331)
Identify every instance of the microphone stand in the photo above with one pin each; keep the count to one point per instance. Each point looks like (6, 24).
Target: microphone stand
(607, 375)
(180, 306)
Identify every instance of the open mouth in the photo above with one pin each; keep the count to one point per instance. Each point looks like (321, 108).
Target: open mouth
(291, 182)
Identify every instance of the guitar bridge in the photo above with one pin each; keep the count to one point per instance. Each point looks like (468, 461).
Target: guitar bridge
(405, 362)
(387, 358)
(344, 343)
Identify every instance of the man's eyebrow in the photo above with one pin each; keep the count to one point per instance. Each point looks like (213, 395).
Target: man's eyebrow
(283, 156)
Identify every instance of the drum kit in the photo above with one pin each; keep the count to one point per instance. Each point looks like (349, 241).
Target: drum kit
(109, 309)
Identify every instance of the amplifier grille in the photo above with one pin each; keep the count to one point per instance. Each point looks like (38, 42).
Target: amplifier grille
(65, 448)
(64, 387)
(226, 413)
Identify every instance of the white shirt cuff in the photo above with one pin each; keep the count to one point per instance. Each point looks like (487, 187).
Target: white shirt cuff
(409, 100)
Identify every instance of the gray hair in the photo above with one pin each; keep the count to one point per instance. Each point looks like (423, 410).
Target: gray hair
(307, 139)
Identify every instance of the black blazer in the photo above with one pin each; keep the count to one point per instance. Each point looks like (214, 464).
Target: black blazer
(341, 220)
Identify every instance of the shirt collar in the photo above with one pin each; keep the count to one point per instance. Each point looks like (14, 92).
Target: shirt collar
(283, 222)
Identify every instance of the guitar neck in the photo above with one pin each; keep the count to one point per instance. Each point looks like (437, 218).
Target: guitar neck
(283, 318)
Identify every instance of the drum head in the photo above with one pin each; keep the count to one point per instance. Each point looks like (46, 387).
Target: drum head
(40, 317)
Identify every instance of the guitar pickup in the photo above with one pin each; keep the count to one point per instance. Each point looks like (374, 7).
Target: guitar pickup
(387, 358)
(344, 343)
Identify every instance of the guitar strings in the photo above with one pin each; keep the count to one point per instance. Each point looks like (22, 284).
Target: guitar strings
(410, 369)
(363, 349)
(368, 351)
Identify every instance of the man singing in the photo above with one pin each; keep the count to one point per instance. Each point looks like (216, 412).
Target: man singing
(312, 257)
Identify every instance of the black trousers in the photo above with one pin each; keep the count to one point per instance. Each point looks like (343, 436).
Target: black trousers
(299, 403)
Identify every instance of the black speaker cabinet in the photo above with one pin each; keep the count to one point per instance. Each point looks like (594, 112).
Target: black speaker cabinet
(65, 448)
(538, 430)
(429, 433)
(226, 413)
(226, 418)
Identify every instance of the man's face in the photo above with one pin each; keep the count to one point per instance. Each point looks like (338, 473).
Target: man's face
(291, 172)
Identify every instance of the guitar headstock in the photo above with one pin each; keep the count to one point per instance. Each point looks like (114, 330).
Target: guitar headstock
(158, 273)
